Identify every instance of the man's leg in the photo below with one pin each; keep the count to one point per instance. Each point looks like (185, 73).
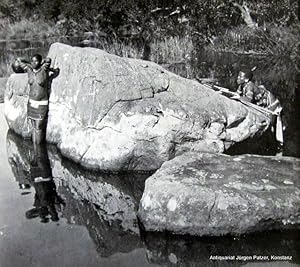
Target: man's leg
(31, 126)
(38, 118)
(34, 137)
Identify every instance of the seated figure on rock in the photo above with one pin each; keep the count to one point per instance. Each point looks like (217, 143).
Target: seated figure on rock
(246, 88)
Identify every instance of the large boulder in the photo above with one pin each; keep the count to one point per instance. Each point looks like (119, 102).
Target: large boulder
(211, 194)
(113, 113)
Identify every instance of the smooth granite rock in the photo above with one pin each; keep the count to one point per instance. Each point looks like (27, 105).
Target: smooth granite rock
(113, 113)
(214, 194)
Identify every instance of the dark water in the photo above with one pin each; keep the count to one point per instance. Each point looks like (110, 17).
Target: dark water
(90, 219)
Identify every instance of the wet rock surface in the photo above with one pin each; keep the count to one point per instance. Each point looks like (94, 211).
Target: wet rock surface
(211, 194)
(113, 113)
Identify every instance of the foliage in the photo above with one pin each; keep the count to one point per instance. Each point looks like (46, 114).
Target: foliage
(278, 12)
(270, 40)
(206, 18)
(143, 24)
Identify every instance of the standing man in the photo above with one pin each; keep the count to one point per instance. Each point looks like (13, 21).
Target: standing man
(39, 81)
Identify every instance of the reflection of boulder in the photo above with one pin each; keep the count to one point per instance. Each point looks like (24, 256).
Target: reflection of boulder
(19, 154)
(167, 249)
(113, 195)
(108, 236)
(211, 194)
(113, 113)
(105, 203)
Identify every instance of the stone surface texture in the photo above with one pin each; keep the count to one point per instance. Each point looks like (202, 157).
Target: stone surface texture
(211, 194)
(2, 88)
(113, 113)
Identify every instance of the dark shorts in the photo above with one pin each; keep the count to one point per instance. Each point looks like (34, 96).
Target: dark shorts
(37, 110)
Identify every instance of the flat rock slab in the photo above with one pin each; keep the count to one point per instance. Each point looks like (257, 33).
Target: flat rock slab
(215, 194)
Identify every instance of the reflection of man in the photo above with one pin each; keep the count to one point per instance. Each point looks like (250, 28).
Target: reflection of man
(46, 198)
(39, 78)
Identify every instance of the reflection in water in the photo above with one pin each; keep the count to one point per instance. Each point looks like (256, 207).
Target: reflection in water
(46, 199)
(106, 205)
(164, 249)
(108, 236)
(31, 168)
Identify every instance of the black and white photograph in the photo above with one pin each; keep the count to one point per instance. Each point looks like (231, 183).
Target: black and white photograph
(149, 133)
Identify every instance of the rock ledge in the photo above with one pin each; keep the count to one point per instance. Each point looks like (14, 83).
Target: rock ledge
(211, 194)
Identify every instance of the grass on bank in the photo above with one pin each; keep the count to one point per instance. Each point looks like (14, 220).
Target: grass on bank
(172, 50)
(167, 50)
(270, 40)
(27, 29)
(163, 50)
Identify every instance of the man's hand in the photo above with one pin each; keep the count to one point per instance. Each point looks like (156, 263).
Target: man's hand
(20, 65)
(47, 60)
(54, 73)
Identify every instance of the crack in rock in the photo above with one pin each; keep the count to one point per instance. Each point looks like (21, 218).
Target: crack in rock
(211, 208)
(88, 147)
